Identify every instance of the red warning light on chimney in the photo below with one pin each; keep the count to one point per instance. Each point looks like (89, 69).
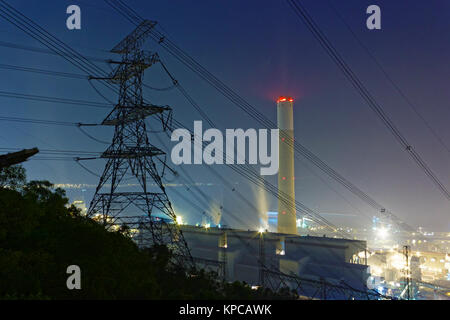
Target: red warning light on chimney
(283, 99)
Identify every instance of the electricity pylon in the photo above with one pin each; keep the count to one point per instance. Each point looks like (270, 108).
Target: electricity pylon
(131, 154)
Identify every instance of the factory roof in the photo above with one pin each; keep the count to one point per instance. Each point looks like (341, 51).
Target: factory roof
(268, 235)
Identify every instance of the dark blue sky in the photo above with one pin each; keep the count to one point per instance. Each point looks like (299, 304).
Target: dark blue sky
(261, 50)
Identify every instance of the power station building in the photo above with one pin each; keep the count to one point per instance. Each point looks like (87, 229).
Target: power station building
(250, 256)
(242, 255)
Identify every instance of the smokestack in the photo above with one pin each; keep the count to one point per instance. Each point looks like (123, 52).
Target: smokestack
(286, 184)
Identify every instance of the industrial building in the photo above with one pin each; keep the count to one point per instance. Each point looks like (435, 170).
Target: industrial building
(242, 254)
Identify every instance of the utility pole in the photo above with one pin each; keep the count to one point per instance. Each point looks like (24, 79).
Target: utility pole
(324, 289)
(223, 244)
(407, 272)
(131, 154)
(262, 258)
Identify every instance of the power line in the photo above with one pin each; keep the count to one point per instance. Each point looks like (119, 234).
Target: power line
(253, 177)
(187, 96)
(42, 151)
(176, 83)
(391, 80)
(38, 121)
(301, 12)
(281, 198)
(212, 124)
(56, 152)
(31, 97)
(242, 173)
(310, 156)
(192, 103)
(99, 93)
(55, 45)
(42, 71)
(89, 153)
(41, 50)
(78, 125)
(158, 89)
(84, 66)
(194, 66)
(205, 205)
(81, 63)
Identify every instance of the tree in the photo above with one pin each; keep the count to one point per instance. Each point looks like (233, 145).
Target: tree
(12, 177)
(40, 236)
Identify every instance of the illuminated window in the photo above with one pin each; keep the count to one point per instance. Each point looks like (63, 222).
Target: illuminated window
(280, 248)
(223, 241)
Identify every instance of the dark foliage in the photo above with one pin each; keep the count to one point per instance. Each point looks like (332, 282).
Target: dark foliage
(12, 177)
(40, 236)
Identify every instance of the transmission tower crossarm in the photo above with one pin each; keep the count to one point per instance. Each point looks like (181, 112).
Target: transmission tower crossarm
(134, 39)
(132, 152)
(134, 113)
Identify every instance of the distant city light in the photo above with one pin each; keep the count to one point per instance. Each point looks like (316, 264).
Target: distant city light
(382, 233)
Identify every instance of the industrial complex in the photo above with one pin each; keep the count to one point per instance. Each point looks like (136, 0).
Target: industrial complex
(242, 224)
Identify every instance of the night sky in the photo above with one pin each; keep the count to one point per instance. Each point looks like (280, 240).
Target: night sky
(261, 50)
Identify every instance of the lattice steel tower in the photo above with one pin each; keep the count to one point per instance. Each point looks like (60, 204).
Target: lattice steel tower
(147, 207)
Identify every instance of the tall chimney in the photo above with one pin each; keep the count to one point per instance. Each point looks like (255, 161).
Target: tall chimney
(286, 184)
